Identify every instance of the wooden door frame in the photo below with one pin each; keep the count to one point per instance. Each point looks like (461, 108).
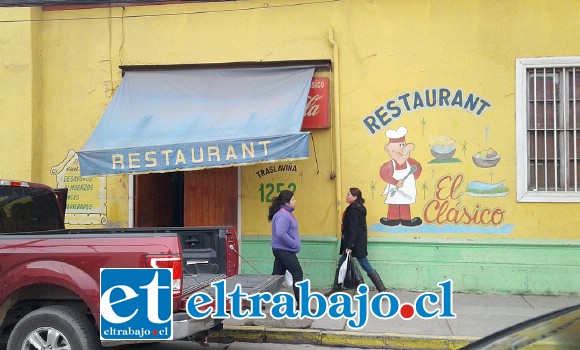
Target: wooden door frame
(131, 205)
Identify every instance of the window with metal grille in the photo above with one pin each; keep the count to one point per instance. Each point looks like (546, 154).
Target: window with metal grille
(548, 127)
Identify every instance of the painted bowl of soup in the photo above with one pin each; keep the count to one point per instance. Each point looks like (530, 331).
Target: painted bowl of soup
(486, 159)
(442, 152)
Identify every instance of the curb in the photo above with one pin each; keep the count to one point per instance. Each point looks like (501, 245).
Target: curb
(258, 334)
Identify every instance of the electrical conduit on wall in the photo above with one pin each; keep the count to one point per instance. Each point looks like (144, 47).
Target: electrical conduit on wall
(336, 126)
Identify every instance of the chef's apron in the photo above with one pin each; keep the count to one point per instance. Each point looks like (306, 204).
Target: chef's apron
(409, 189)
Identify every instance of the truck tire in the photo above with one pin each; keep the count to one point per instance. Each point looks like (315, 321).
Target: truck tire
(54, 327)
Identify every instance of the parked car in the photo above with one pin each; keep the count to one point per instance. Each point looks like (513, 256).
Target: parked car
(556, 330)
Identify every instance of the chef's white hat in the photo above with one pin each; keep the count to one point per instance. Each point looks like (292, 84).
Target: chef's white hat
(397, 135)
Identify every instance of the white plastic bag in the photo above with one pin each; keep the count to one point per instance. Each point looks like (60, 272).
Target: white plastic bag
(343, 267)
(287, 279)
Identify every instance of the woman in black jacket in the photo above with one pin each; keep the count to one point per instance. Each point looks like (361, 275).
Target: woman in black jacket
(354, 239)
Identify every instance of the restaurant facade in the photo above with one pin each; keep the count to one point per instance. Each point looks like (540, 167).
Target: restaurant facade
(199, 113)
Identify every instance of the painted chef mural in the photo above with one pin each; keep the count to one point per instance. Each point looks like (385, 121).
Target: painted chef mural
(400, 174)
(443, 155)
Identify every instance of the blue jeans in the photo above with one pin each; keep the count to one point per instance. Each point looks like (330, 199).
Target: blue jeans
(363, 262)
(285, 260)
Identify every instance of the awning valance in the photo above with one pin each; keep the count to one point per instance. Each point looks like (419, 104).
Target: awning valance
(172, 120)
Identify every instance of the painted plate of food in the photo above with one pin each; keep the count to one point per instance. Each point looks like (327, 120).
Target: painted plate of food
(484, 189)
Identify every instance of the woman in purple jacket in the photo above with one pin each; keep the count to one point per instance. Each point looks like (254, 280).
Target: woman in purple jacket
(285, 238)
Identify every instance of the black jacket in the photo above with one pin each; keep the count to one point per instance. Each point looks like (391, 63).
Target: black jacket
(354, 230)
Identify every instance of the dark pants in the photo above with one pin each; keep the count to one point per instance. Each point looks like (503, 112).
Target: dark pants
(285, 260)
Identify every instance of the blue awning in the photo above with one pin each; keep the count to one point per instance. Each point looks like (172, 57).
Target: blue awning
(172, 120)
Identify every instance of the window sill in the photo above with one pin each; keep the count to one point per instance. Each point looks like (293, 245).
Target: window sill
(549, 197)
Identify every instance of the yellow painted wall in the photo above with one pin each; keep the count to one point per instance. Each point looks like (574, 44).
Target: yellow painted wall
(310, 181)
(386, 48)
(460, 45)
(20, 121)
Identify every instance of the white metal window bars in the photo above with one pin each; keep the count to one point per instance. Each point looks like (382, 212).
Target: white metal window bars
(548, 121)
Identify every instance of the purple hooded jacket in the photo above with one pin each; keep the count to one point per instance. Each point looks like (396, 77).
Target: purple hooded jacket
(285, 234)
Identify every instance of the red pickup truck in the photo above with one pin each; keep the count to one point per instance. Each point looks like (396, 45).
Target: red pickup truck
(49, 275)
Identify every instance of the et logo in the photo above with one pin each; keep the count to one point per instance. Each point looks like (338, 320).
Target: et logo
(136, 304)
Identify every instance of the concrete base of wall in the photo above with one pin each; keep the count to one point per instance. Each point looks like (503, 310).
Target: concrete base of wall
(502, 266)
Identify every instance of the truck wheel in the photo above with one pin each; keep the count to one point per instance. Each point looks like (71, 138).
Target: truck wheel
(54, 327)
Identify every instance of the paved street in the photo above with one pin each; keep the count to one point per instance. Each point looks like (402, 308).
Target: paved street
(478, 315)
(182, 345)
(187, 345)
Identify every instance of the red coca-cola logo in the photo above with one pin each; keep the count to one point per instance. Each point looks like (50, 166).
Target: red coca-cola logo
(312, 106)
(316, 115)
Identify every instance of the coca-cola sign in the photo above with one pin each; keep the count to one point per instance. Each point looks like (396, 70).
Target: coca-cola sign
(316, 115)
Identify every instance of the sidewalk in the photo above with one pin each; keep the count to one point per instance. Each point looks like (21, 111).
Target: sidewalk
(477, 316)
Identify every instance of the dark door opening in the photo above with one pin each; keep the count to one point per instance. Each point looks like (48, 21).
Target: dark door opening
(159, 200)
(194, 198)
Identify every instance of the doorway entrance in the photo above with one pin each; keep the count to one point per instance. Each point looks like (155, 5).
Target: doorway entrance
(193, 198)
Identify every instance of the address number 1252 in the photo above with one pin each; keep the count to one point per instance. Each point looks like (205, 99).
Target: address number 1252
(270, 190)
